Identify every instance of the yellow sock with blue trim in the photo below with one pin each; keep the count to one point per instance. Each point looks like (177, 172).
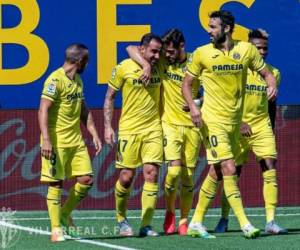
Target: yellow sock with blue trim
(270, 192)
(206, 195)
(54, 205)
(122, 195)
(233, 196)
(149, 199)
(171, 185)
(76, 194)
(186, 194)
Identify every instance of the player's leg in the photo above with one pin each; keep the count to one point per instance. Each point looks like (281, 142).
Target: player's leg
(171, 186)
(128, 159)
(191, 152)
(172, 143)
(152, 157)
(53, 173)
(206, 195)
(233, 196)
(186, 198)
(122, 194)
(241, 157)
(222, 225)
(270, 193)
(264, 147)
(223, 141)
(78, 166)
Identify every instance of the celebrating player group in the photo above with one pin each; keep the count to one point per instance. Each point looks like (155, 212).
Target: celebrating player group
(165, 119)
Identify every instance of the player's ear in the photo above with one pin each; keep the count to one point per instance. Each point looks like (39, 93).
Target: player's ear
(142, 49)
(227, 29)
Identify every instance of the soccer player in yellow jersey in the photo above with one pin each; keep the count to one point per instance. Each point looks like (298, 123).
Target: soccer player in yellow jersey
(63, 150)
(140, 133)
(257, 135)
(181, 136)
(223, 66)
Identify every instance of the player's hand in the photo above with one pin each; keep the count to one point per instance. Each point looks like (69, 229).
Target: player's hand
(47, 149)
(97, 144)
(272, 93)
(109, 136)
(245, 130)
(196, 115)
(146, 75)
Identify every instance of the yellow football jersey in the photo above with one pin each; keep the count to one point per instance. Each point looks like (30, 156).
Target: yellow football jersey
(256, 100)
(173, 100)
(140, 104)
(64, 114)
(223, 77)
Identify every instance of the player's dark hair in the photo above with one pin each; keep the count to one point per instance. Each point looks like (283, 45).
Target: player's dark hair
(173, 36)
(226, 18)
(76, 52)
(258, 33)
(147, 38)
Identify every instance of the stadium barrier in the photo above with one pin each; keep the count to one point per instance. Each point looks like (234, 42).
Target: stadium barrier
(20, 188)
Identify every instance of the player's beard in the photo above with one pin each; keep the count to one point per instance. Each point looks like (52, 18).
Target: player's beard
(219, 39)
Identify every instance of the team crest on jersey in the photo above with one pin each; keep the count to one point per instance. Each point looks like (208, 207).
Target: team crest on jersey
(214, 154)
(236, 56)
(51, 88)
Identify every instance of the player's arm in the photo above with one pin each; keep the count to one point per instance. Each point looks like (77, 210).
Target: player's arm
(135, 55)
(87, 119)
(46, 147)
(187, 94)
(272, 90)
(109, 134)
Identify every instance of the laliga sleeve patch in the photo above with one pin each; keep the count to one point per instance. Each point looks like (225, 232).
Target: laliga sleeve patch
(51, 88)
(113, 73)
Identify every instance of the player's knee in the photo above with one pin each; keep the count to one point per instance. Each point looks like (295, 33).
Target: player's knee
(228, 168)
(267, 164)
(215, 172)
(85, 180)
(126, 178)
(151, 173)
(57, 184)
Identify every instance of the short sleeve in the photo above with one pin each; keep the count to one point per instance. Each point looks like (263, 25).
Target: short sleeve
(194, 64)
(116, 81)
(51, 88)
(256, 61)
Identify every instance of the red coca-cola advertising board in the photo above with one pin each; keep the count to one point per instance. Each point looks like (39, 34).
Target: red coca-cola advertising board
(20, 164)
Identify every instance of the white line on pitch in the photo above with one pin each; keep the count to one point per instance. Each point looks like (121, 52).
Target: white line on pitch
(138, 217)
(39, 231)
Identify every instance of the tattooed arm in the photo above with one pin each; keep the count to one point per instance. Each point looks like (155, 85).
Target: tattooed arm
(109, 134)
(87, 118)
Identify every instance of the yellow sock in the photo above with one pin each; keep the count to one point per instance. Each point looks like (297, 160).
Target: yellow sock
(76, 194)
(186, 194)
(270, 193)
(171, 184)
(206, 194)
(149, 198)
(121, 198)
(225, 206)
(233, 196)
(53, 203)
